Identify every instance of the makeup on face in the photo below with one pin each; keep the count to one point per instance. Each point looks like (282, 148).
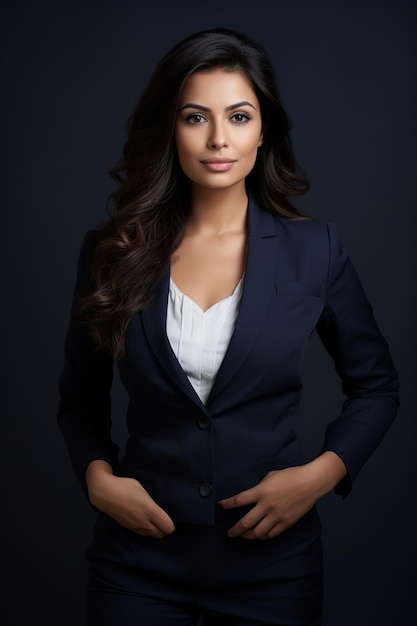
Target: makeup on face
(218, 129)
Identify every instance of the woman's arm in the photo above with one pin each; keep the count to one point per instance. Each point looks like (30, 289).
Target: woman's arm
(351, 336)
(84, 413)
(85, 419)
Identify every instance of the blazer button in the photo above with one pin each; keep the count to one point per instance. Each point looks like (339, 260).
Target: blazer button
(205, 490)
(204, 422)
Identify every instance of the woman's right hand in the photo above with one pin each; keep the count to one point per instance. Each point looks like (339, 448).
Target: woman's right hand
(126, 501)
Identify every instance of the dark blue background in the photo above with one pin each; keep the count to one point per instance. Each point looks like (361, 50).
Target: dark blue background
(71, 74)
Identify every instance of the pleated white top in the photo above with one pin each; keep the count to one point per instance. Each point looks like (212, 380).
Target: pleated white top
(199, 339)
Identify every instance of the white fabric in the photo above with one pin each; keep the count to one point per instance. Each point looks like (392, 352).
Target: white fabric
(199, 339)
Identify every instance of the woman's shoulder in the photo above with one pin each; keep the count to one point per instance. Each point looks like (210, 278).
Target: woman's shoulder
(86, 256)
(92, 238)
(313, 239)
(303, 225)
(306, 229)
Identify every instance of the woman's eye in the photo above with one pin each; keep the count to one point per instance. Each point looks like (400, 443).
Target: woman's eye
(195, 118)
(240, 118)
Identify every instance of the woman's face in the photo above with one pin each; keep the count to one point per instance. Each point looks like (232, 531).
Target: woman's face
(218, 129)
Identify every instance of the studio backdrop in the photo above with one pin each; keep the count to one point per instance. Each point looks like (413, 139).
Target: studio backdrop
(71, 75)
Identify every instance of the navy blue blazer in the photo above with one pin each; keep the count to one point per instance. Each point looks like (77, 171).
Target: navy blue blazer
(189, 455)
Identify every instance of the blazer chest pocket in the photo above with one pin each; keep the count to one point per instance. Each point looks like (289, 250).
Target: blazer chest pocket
(298, 288)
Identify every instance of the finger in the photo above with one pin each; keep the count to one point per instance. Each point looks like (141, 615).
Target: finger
(141, 527)
(253, 533)
(165, 524)
(155, 514)
(246, 523)
(150, 531)
(276, 530)
(264, 527)
(162, 520)
(249, 496)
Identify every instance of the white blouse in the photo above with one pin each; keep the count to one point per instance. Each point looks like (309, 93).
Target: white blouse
(199, 339)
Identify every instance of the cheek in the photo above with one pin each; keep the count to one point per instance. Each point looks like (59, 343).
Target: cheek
(179, 142)
(185, 153)
(186, 143)
(187, 162)
(248, 145)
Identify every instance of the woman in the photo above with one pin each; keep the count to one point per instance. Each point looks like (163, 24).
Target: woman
(205, 286)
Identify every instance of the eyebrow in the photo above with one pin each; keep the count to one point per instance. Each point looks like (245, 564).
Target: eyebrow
(200, 107)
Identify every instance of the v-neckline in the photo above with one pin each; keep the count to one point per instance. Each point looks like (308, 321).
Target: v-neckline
(216, 304)
(262, 260)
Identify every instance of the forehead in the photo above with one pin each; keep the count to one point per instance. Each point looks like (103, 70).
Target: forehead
(218, 88)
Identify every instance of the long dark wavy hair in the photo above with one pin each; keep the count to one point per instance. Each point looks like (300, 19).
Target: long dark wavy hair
(133, 248)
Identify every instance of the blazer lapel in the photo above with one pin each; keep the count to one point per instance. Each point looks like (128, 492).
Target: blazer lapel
(154, 323)
(257, 288)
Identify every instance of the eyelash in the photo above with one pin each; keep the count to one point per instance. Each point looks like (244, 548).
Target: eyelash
(246, 117)
(191, 119)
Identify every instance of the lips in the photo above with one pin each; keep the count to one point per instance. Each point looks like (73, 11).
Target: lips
(218, 164)
(218, 160)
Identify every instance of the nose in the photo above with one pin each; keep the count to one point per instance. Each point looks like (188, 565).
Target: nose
(218, 136)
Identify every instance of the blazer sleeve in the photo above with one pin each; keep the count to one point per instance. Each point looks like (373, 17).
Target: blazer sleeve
(84, 413)
(351, 336)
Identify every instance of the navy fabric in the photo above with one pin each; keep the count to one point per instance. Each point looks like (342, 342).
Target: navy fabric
(298, 280)
(200, 571)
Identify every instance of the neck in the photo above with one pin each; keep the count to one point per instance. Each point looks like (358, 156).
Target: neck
(217, 211)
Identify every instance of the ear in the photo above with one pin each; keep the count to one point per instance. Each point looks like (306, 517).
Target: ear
(261, 140)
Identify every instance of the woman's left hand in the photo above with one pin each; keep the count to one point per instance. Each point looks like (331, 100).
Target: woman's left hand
(284, 496)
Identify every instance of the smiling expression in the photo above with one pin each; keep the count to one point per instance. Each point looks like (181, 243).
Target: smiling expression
(218, 129)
